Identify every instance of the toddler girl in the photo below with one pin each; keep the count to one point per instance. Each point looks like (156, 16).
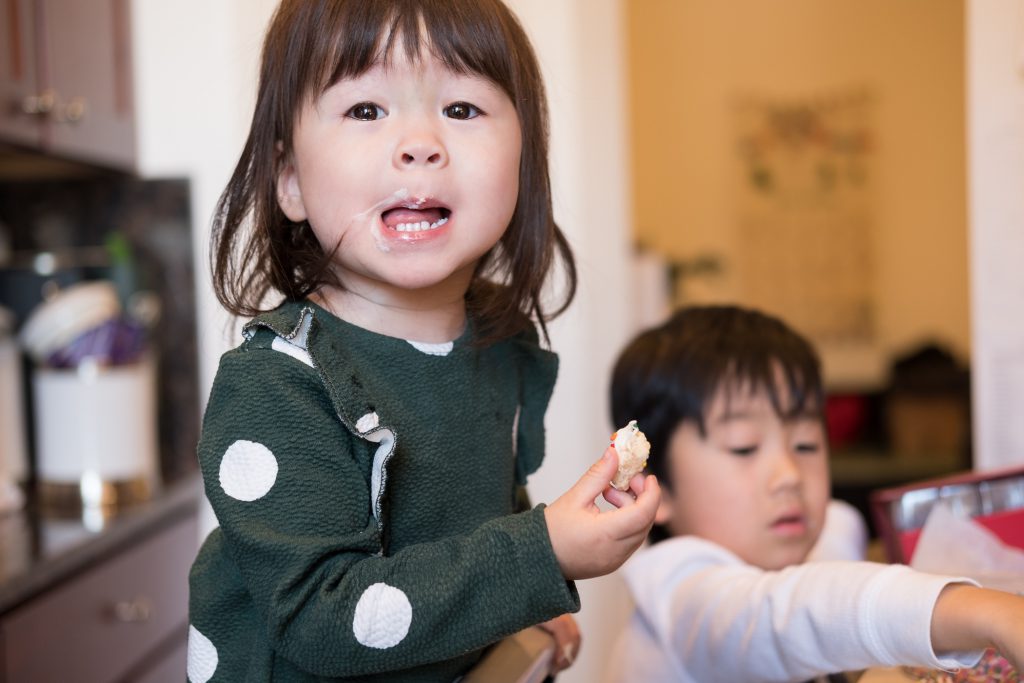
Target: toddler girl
(363, 447)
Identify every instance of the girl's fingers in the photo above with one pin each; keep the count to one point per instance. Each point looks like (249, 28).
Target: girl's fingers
(637, 483)
(595, 480)
(566, 633)
(619, 498)
(650, 494)
(638, 517)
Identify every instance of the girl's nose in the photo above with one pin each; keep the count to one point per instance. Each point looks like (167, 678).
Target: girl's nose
(422, 149)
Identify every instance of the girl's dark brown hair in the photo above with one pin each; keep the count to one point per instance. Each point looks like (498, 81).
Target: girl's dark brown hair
(312, 44)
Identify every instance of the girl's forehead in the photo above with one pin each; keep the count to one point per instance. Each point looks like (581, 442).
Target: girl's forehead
(398, 43)
(423, 59)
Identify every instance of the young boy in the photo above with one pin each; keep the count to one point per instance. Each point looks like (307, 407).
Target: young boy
(731, 401)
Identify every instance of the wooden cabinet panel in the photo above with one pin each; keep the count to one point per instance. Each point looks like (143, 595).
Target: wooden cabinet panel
(66, 78)
(171, 667)
(100, 625)
(18, 78)
(85, 60)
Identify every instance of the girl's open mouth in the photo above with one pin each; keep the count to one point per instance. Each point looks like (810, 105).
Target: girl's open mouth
(414, 222)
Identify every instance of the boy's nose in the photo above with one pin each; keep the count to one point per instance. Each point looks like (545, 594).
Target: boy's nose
(422, 149)
(786, 471)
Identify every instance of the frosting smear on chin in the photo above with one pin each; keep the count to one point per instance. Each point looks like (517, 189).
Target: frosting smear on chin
(633, 448)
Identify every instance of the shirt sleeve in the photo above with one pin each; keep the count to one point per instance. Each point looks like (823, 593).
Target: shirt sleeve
(290, 486)
(721, 619)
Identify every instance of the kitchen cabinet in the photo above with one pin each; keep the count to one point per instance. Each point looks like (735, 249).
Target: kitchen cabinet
(105, 607)
(66, 79)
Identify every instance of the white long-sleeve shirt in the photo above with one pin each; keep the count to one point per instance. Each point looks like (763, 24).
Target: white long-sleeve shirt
(703, 615)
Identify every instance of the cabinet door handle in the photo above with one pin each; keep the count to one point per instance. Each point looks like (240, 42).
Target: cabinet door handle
(74, 111)
(134, 611)
(41, 104)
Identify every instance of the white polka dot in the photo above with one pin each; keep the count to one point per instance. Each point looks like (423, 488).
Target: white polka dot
(202, 656)
(383, 616)
(248, 470)
(367, 423)
(433, 349)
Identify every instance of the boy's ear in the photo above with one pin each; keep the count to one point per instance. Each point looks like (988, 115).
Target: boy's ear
(664, 512)
(289, 195)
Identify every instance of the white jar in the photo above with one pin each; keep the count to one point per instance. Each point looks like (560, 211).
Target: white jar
(96, 430)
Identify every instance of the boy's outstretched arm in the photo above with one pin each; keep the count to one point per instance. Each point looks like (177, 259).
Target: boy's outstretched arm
(970, 618)
(588, 542)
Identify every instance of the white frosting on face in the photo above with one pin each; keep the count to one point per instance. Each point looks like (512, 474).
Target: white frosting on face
(371, 215)
(633, 448)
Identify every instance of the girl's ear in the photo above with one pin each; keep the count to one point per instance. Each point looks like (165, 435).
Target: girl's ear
(289, 196)
(664, 512)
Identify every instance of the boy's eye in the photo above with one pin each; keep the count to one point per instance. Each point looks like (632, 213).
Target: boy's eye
(365, 111)
(461, 111)
(743, 450)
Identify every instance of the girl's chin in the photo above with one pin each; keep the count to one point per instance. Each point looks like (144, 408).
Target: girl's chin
(426, 279)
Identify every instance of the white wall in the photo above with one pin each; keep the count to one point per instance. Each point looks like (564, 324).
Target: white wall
(580, 46)
(995, 113)
(195, 71)
(195, 82)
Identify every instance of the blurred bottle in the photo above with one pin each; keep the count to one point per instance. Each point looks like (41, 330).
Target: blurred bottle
(13, 453)
(94, 399)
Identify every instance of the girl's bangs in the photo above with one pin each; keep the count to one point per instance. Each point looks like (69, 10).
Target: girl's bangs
(467, 37)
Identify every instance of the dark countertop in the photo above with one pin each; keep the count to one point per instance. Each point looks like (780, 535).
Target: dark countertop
(38, 551)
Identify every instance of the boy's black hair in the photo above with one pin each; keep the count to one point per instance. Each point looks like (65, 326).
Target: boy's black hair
(670, 373)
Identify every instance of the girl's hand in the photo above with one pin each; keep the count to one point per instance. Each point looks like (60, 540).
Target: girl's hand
(588, 542)
(567, 641)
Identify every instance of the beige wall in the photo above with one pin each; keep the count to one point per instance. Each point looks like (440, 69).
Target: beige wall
(692, 59)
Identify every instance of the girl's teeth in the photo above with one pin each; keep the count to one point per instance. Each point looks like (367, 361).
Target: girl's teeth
(422, 225)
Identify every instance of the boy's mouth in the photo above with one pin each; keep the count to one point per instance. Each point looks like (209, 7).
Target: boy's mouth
(790, 524)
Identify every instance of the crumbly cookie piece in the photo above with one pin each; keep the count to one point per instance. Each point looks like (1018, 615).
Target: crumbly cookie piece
(633, 448)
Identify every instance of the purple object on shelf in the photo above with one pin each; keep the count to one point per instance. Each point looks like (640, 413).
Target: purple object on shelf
(119, 341)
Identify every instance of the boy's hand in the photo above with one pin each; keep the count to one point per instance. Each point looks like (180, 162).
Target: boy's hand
(1004, 612)
(970, 618)
(588, 542)
(567, 641)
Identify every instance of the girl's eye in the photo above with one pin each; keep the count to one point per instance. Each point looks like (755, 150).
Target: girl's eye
(365, 111)
(743, 450)
(808, 447)
(461, 111)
